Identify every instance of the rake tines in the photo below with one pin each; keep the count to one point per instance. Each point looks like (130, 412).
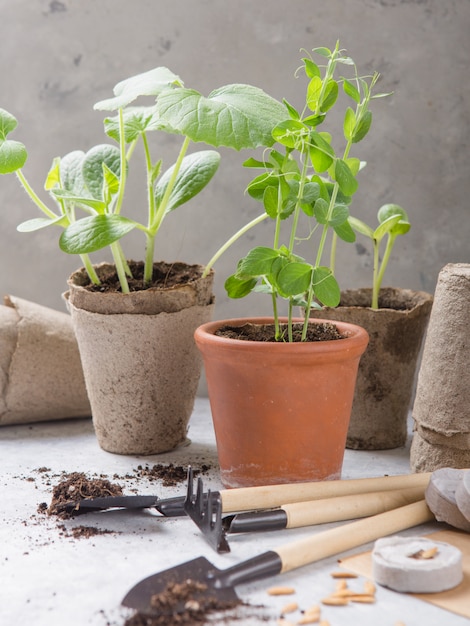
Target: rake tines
(205, 509)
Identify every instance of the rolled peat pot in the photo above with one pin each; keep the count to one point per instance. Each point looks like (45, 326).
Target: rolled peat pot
(139, 359)
(280, 410)
(388, 370)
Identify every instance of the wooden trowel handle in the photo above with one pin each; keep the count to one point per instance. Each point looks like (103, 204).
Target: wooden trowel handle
(265, 497)
(349, 507)
(348, 536)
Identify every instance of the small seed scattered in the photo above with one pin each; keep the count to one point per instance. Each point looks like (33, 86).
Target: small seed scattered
(341, 584)
(290, 608)
(283, 622)
(425, 554)
(369, 587)
(309, 618)
(315, 608)
(324, 622)
(364, 598)
(335, 601)
(281, 591)
(343, 575)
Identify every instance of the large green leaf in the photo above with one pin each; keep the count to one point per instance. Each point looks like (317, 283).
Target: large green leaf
(92, 168)
(149, 83)
(239, 287)
(13, 154)
(71, 176)
(326, 287)
(195, 173)
(236, 116)
(294, 279)
(258, 262)
(94, 233)
(345, 178)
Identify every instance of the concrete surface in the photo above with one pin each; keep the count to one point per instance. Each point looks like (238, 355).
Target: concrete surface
(47, 578)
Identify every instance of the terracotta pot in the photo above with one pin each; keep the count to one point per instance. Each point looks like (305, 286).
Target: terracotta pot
(387, 372)
(140, 362)
(280, 410)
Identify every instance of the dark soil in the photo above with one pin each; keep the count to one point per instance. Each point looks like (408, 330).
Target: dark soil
(76, 487)
(266, 332)
(84, 532)
(165, 276)
(170, 475)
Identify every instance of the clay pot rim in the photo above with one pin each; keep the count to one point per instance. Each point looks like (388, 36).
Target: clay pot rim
(356, 336)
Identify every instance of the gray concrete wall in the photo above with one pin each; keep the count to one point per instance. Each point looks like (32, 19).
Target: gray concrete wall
(59, 57)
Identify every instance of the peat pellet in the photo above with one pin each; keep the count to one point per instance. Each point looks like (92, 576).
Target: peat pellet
(441, 499)
(462, 495)
(398, 563)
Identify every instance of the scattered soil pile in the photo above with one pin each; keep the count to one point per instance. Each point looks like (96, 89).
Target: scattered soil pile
(76, 487)
(170, 475)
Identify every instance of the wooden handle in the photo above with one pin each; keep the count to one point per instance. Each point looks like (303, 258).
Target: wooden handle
(353, 535)
(265, 497)
(349, 507)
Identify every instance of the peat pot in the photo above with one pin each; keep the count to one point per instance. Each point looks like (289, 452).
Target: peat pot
(387, 372)
(280, 410)
(139, 359)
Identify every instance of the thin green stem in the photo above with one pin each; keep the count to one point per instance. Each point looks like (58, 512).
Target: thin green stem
(92, 275)
(303, 179)
(277, 331)
(120, 267)
(149, 254)
(34, 197)
(232, 240)
(123, 159)
(379, 276)
(150, 194)
(375, 289)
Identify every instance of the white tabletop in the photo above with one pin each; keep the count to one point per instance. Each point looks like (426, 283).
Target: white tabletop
(48, 578)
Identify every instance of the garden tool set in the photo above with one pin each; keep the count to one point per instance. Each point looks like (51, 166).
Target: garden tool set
(387, 505)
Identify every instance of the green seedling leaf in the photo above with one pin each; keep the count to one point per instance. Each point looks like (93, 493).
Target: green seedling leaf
(235, 116)
(149, 83)
(387, 210)
(94, 233)
(349, 124)
(239, 287)
(258, 185)
(363, 127)
(387, 226)
(355, 165)
(293, 113)
(71, 176)
(321, 153)
(361, 227)
(270, 201)
(294, 278)
(292, 134)
(258, 262)
(53, 176)
(314, 89)
(326, 287)
(351, 91)
(254, 163)
(13, 154)
(325, 52)
(339, 215)
(92, 168)
(137, 120)
(38, 223)
(314, 120)
(330, 97)
(195, 173)
(97, 205)
(345, 178)
(311, 68)
(320, 211)
(345, 232)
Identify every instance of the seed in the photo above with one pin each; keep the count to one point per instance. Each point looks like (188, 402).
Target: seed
(283, 622)
(324, 622)
(343, 575)
(369, 587)
(290, 608)
(363, 597)
(429, 554)
(341, 584)
(315, 608)
(281, 591)
(309, 618)
(335, 601)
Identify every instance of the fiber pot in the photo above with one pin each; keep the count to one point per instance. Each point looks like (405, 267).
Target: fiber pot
(387, 372)
(280, 410)
(139, 359)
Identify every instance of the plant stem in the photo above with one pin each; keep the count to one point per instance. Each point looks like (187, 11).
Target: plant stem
(231, 241)
(379, 273)
(92, 275)
(149, 252)
(120, 267)
(34, 197)
(123, 159)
